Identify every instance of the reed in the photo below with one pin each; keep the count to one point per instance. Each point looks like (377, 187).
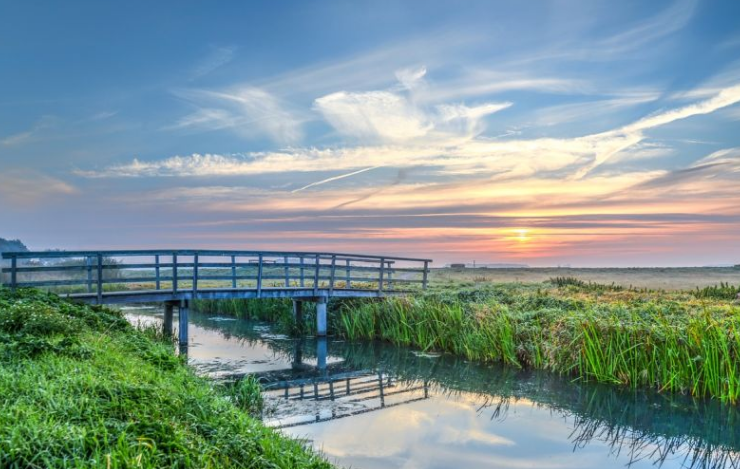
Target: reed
(670, 342)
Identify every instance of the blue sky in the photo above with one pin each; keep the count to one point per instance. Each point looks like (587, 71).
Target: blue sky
(581, 132)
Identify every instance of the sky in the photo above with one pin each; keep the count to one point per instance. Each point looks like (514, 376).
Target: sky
(582, 133)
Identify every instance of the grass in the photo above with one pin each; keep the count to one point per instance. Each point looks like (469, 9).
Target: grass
(80, 387)
(679, 342)
(686, 342)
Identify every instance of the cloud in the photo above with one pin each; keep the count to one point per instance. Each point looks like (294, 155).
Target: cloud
(217, 57)
(335, 178)
(411, 78)
(32, 134)
(375, 115)
(724, 98)
(26, 187)
(430, 140)
(667, 22)
(394, 116)
(248, 111)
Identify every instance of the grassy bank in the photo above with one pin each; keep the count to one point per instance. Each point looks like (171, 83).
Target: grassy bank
(682, 342)
(80, 387)
(687, 342)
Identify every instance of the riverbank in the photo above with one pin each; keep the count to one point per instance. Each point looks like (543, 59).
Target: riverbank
(684, 342)
(679, 342)
(81, 387)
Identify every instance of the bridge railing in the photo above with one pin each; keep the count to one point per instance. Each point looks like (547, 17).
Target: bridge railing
(95, 273)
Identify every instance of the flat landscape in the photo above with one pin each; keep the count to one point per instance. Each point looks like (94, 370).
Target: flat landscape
(658, 278)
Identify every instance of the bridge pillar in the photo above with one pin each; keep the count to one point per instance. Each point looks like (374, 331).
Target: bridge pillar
(168, 313)
(322, 351)
(298, 313)
(183, 323)
(321, 316)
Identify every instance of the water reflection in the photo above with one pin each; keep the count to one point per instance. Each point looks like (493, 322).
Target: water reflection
(411, 409)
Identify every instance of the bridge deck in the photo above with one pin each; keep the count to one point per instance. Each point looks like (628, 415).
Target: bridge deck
(160, 296)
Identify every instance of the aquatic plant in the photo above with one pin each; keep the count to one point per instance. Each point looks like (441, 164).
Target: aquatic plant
(637, 339)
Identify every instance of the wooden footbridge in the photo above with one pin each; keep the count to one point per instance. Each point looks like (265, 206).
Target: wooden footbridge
(176, 277)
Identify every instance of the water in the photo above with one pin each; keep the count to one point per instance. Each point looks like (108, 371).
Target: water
(370, 405)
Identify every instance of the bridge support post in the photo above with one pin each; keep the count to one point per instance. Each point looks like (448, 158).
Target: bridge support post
(322, 350)
(168, 314)
(321, 316)
(297, 315)
(183, 323)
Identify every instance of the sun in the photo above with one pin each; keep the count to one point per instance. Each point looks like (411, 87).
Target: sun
(522, 235)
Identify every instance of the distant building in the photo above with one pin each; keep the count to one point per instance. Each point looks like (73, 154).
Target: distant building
(486, 266)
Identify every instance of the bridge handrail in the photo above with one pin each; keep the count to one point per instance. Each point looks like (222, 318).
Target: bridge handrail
(312, 268)
(190, 252)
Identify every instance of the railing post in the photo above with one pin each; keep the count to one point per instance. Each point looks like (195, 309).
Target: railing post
(259, 277)
(333, 270)
(233, 272)
(100, 278)
(88, 264)
(195, 275)
(174, 273)
(287, 272)
(390, 276)
(349, 277)
(382, 271)
(303, 277)
(157, 281)
(13, 272)
(426, 270)
(316, 277)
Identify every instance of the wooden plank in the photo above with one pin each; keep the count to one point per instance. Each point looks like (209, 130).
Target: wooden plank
(100, 279)
(195, 273)
(333, 271)
(233, 271)
(13, 272)
(348, 281)
(303, 276)
(174, 273)
(88, 263)
(426, 271)
(156, 271)
(201, 252)
(380, 279)
(259, 278)
(287, 272)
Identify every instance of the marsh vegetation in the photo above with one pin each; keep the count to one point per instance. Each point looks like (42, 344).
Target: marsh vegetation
(82, 387)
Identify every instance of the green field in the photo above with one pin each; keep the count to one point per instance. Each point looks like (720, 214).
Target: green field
(661, 278)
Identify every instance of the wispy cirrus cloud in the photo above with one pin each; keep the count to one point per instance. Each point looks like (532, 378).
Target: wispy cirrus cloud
(36, 131)
(25, 187)
(217, 57)
(452, 153)
(247, 111)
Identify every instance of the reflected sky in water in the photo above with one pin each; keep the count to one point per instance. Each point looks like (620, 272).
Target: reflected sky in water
(378, 406)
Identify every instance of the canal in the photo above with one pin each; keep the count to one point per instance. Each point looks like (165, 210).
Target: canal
(373, 405)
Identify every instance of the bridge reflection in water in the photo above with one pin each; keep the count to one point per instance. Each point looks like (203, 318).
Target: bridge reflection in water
(321, 393)
(389, 385)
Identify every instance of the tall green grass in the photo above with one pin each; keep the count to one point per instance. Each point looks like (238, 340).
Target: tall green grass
(668, 342)
(80, 387)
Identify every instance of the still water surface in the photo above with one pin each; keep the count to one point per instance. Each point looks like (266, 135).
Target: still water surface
(371, 405)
